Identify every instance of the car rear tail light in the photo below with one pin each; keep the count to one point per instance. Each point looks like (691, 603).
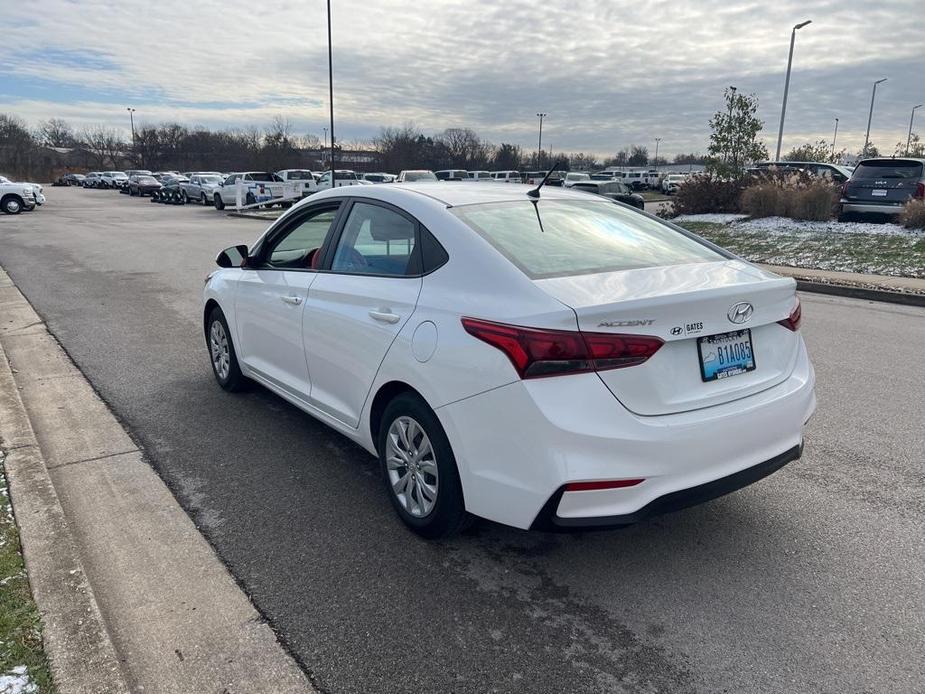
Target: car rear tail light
(919, 191)
(792, 322)
(596, 486)
(536, 352)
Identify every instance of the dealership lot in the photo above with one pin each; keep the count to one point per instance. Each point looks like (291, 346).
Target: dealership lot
(809, 580)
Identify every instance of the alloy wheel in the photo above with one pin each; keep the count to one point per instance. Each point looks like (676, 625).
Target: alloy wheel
(218, 345)
(411, 467)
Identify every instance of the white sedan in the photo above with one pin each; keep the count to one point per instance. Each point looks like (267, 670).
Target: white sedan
(552, 362)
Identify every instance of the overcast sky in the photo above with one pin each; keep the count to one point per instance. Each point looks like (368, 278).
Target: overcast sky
(608, 73)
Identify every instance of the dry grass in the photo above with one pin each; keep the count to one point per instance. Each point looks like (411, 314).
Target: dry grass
(793, 196)
(913, 215)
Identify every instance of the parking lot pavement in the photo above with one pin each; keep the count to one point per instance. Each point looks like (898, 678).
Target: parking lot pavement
(808, 581)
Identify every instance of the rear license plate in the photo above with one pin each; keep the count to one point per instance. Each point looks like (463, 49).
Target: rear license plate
(725, 355)
(878, 193)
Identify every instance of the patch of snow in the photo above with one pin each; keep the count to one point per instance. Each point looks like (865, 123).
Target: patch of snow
(783, 224)
(710, 218)
(17, 682)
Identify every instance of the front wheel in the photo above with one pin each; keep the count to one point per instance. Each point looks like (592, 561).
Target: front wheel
(419, 469)
(203, 200)
(11, 204)
(217, 201)
(221, 352)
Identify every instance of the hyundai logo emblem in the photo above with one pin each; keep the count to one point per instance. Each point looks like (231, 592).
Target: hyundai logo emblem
(740, 312)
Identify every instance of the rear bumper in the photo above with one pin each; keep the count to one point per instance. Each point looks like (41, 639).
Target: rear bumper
(517, 447)
(675, 501)
(871, 208)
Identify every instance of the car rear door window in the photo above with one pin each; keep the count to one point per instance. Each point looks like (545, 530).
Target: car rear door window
(376, 241)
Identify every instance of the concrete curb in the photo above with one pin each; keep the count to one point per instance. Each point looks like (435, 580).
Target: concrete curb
(908, 291)
(251, 215)
(164, 608)
(79, 648)
(862, 293)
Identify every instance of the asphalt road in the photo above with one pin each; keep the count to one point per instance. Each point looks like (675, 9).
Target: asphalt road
(809, 581)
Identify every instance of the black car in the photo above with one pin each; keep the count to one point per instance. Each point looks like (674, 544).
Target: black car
(71, 179)
(143, 185)
(882, 187)
(615, 190)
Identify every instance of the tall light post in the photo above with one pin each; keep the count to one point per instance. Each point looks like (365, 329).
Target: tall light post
(783, 110)
(539, 142)
(331, 89)
(911, 118)
(325, 130)
(657, 140)
(870, 116)
(131, 118)
(834, 137)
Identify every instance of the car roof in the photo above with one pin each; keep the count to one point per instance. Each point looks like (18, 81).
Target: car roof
(452, 194)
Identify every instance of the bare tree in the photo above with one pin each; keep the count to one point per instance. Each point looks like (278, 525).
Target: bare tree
(56, 132)
(16, 145)
(104, 144)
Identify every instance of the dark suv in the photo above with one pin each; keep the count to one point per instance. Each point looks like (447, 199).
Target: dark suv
(882, 187)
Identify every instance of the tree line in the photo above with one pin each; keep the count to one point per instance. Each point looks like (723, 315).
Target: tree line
(26, 153)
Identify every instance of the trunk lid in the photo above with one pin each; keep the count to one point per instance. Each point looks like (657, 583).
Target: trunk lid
(679, 304)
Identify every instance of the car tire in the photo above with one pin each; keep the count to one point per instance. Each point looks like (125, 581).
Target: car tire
(250, 199)
(846, 217)
(218, 202)
(203, 200)
(409, 427)
(12, 204)
(185, 198)
(222, 354)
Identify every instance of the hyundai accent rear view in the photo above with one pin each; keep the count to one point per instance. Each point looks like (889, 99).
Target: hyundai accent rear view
(560, 361)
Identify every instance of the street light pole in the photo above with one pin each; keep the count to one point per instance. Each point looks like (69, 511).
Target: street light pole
(911, 118)
(331, 89)
(870, 116)
(539, 143)
(834, 138)
(657, 140)
(131, 117)
(783, 110)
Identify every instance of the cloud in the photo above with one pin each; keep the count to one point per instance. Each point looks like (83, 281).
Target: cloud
(607, 73)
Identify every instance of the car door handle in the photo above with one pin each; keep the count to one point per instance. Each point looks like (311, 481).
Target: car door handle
(384, 316)
(294, 300)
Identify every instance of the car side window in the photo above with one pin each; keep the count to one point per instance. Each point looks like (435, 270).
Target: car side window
(294, 248)
(376, 241)
(229, 181)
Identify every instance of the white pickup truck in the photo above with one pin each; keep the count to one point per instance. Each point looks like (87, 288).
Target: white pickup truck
(303, 178)
(16, 197)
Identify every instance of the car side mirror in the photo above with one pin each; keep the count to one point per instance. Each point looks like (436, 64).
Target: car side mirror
(234, 256)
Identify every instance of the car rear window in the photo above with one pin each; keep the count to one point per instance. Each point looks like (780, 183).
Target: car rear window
(557, 238)
(300, 176)
(888, 168)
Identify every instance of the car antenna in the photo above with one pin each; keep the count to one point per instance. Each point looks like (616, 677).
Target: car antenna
(535, 192)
